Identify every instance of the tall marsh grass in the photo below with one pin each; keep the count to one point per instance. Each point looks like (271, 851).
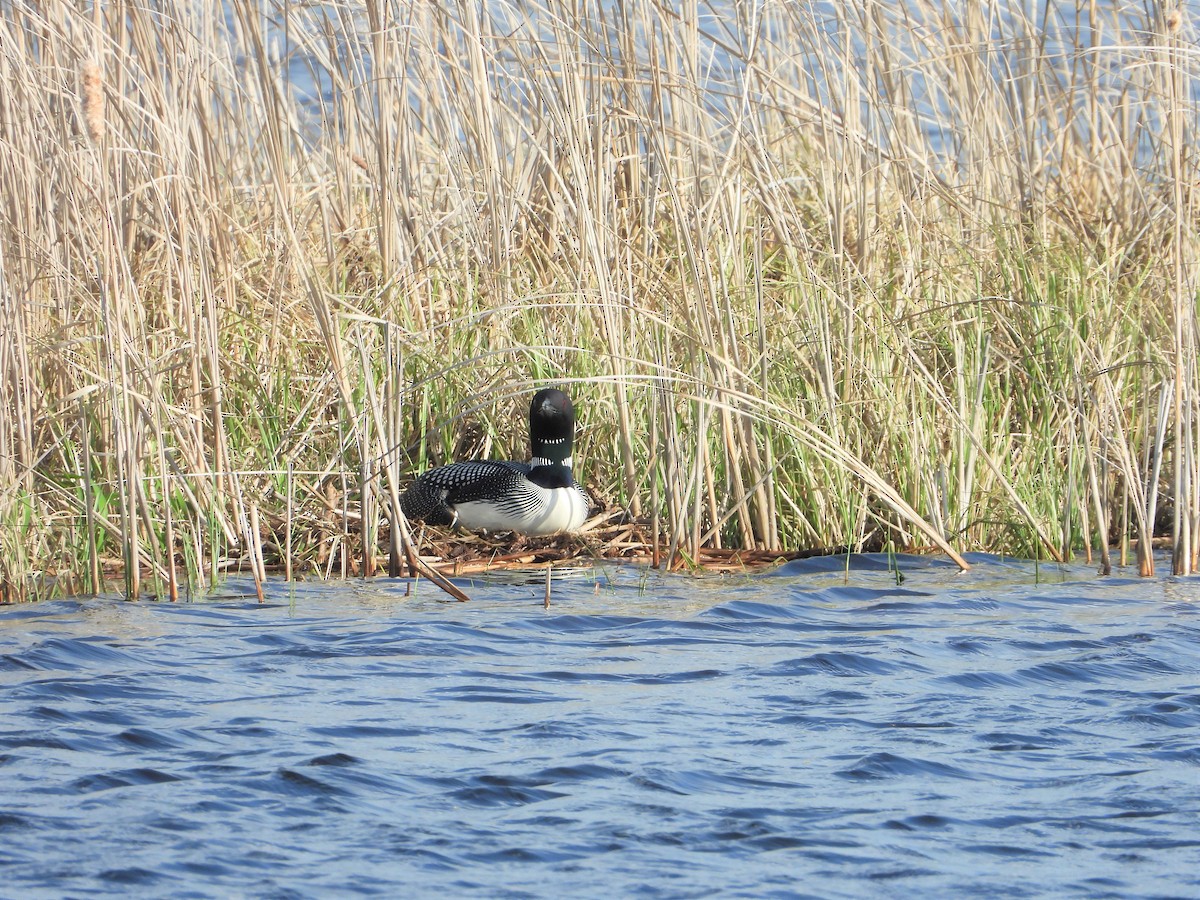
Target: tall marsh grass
(818, 275)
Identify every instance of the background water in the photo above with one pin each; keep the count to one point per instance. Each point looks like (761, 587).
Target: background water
(1008, 731)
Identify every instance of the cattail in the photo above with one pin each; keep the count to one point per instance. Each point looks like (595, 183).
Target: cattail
(93, 101)
(1174, 21)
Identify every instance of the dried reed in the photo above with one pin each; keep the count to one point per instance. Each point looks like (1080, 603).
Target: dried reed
(913, 278)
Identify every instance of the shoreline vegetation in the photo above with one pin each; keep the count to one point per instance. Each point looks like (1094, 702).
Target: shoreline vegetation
(816, 276)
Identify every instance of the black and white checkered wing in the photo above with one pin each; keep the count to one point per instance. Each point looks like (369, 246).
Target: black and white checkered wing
(435, 495)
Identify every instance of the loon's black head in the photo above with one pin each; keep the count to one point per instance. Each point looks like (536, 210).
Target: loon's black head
(551, 426)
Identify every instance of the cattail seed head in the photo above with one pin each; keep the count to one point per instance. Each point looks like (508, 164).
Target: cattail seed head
(93, 101)
(1174, 21)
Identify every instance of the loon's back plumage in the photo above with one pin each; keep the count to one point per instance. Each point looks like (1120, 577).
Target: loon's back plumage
(541, 497)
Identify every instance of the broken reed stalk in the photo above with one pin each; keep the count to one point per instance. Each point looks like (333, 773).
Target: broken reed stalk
(1154, 469)
(95, 585)
(367, 530)
(1093, 484)
(168, 515)
(288, 523)
(1181, 562)
(254, 548)
(393, 418)
(655, 485)
(418, 566)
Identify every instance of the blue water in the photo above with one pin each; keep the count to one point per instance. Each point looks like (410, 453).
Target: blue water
(1009, 731)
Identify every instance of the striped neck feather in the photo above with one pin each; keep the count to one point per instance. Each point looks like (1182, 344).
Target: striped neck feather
(544, 461)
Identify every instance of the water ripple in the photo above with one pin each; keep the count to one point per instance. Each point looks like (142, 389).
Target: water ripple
(870, 725)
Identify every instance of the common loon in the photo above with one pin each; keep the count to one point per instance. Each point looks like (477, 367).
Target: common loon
(537, 497)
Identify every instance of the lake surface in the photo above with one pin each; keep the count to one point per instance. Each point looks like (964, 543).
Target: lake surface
(1015, 730)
